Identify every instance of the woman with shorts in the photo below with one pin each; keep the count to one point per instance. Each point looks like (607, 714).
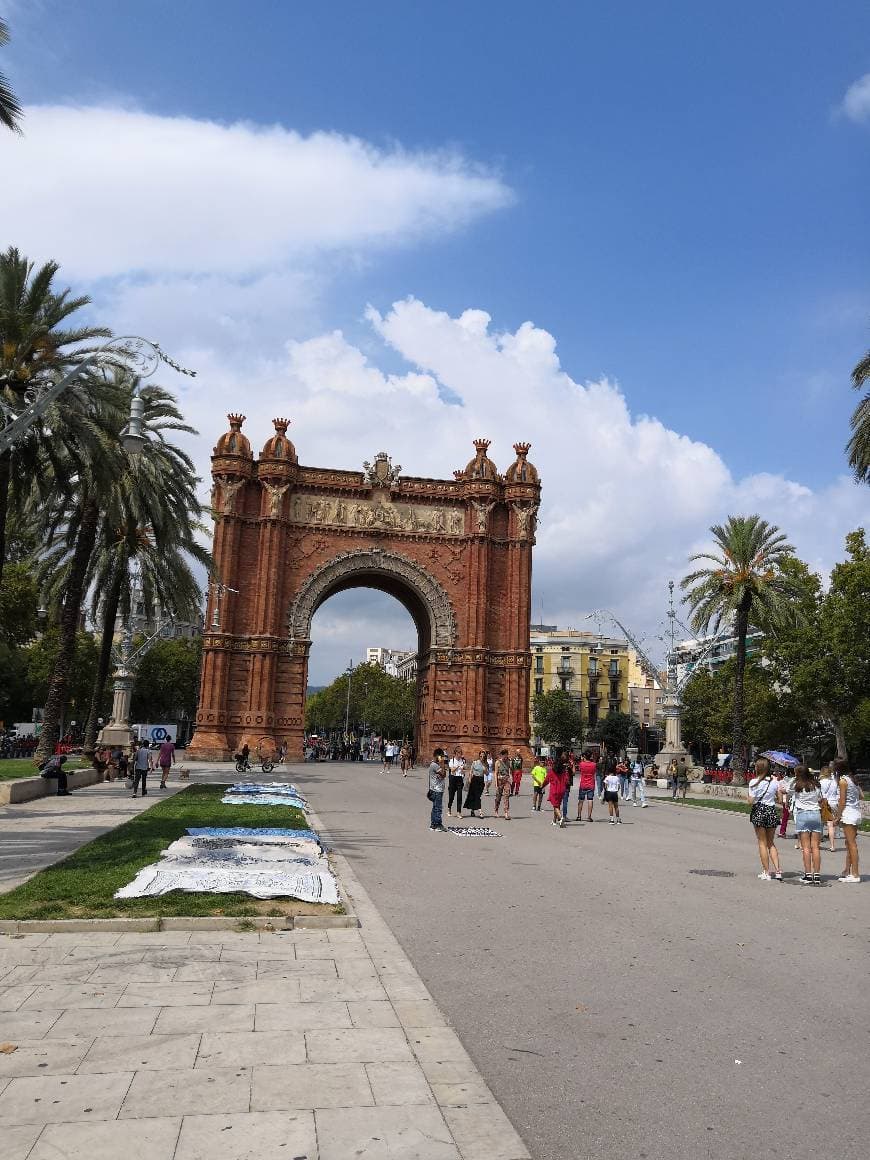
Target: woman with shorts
(611, 796)
(586, 780)
(761, 794)
(848, 815)
(807, 806)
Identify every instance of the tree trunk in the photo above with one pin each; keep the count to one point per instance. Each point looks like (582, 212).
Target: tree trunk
(840, 738)
(738, 750)
(5, 471)
(58, 686)
(110, 611)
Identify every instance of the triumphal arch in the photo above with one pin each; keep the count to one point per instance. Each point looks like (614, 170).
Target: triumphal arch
(456, 552)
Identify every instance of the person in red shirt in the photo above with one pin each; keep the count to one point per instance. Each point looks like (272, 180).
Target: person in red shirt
(586, 787)
(558, 779)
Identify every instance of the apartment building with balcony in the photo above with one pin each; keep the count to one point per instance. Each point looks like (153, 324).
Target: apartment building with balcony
(593, 669)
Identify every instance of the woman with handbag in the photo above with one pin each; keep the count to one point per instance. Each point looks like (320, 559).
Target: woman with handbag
(830, 788)
(761, 793)
(807, 801)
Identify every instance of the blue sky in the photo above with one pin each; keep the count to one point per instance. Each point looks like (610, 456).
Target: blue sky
(682, 207)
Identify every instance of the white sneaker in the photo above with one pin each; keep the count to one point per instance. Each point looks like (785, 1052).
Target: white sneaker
(764, 877)
(644, 805)
(850, 878)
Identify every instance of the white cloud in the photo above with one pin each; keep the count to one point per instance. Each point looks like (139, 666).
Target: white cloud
(108, 191)
(856, 102)
(625, 499)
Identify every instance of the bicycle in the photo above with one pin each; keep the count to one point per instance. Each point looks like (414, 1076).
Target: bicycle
(243, 765)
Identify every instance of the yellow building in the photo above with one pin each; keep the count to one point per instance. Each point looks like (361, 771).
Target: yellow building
(595, 670)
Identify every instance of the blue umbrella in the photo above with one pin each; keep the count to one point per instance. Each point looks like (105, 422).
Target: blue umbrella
(781, 757)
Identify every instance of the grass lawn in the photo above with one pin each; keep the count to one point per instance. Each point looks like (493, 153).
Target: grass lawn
(734, 807)
(13, 767)
(82, 885)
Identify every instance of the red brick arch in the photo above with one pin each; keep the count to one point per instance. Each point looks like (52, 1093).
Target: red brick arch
(456, 553)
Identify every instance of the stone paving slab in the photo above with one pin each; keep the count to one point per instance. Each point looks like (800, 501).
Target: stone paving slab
(153, 1139)
(250, 1136)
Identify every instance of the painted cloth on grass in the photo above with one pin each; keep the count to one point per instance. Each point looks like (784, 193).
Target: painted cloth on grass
(265, 865)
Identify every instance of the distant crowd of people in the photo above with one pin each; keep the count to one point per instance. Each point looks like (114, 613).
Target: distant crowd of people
(467, 782)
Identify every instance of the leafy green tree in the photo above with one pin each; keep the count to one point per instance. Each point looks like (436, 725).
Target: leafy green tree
(378, 701)
(708, 699)
(19, 602)
(167, 681)
(822, 660)
(615, 730)
(10, 107)
(16, 701)
(41, 661)
(743, 581)
(558, 718)
(858, 446)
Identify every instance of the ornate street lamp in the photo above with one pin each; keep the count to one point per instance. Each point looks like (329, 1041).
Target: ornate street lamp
(139, 355)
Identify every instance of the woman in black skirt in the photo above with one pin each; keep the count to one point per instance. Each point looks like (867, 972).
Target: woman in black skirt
(475, 785)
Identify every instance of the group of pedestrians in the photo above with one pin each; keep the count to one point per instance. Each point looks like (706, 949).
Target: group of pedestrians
(404, 754)
(831, 800)
(133, 767)
(468, 782)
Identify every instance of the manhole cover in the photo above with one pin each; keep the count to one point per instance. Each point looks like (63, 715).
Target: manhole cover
(714, 873)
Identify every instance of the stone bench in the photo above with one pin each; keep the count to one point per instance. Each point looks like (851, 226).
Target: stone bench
(28, 789)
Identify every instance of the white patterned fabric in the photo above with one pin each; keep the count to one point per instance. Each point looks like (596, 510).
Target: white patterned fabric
(473, 832)
(267, 864)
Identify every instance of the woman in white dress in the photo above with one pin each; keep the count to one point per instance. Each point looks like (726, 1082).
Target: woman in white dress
(762, 793)
(848, 815)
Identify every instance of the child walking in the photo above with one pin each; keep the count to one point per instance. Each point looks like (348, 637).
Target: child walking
(611, 797)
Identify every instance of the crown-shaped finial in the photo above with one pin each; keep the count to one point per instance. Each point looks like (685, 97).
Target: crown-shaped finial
(522, 449)
(281, 425)
(481, 446)
(236, 421)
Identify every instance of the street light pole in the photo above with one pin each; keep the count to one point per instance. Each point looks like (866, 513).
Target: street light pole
(349, 671)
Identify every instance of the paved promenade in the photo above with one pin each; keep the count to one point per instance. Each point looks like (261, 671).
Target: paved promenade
(225, 1045)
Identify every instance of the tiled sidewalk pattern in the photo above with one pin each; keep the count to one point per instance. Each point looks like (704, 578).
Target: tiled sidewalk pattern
(228, 1045)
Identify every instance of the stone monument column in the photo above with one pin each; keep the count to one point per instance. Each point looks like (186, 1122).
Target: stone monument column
(232, 467)
(276, 473)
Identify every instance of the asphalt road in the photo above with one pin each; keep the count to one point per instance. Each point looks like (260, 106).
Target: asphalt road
(627, 991)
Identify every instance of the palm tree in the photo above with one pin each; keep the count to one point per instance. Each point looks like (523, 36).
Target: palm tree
(152, 516)
(10, 109)
(35, 348)
(859, 445)
(743, 581)
(68, 522)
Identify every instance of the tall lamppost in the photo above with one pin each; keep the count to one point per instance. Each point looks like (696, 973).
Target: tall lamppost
(349, 671)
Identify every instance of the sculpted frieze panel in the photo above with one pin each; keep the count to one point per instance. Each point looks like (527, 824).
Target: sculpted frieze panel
(367, 515)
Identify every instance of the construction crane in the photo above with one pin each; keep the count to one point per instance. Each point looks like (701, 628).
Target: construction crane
(645, 663)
